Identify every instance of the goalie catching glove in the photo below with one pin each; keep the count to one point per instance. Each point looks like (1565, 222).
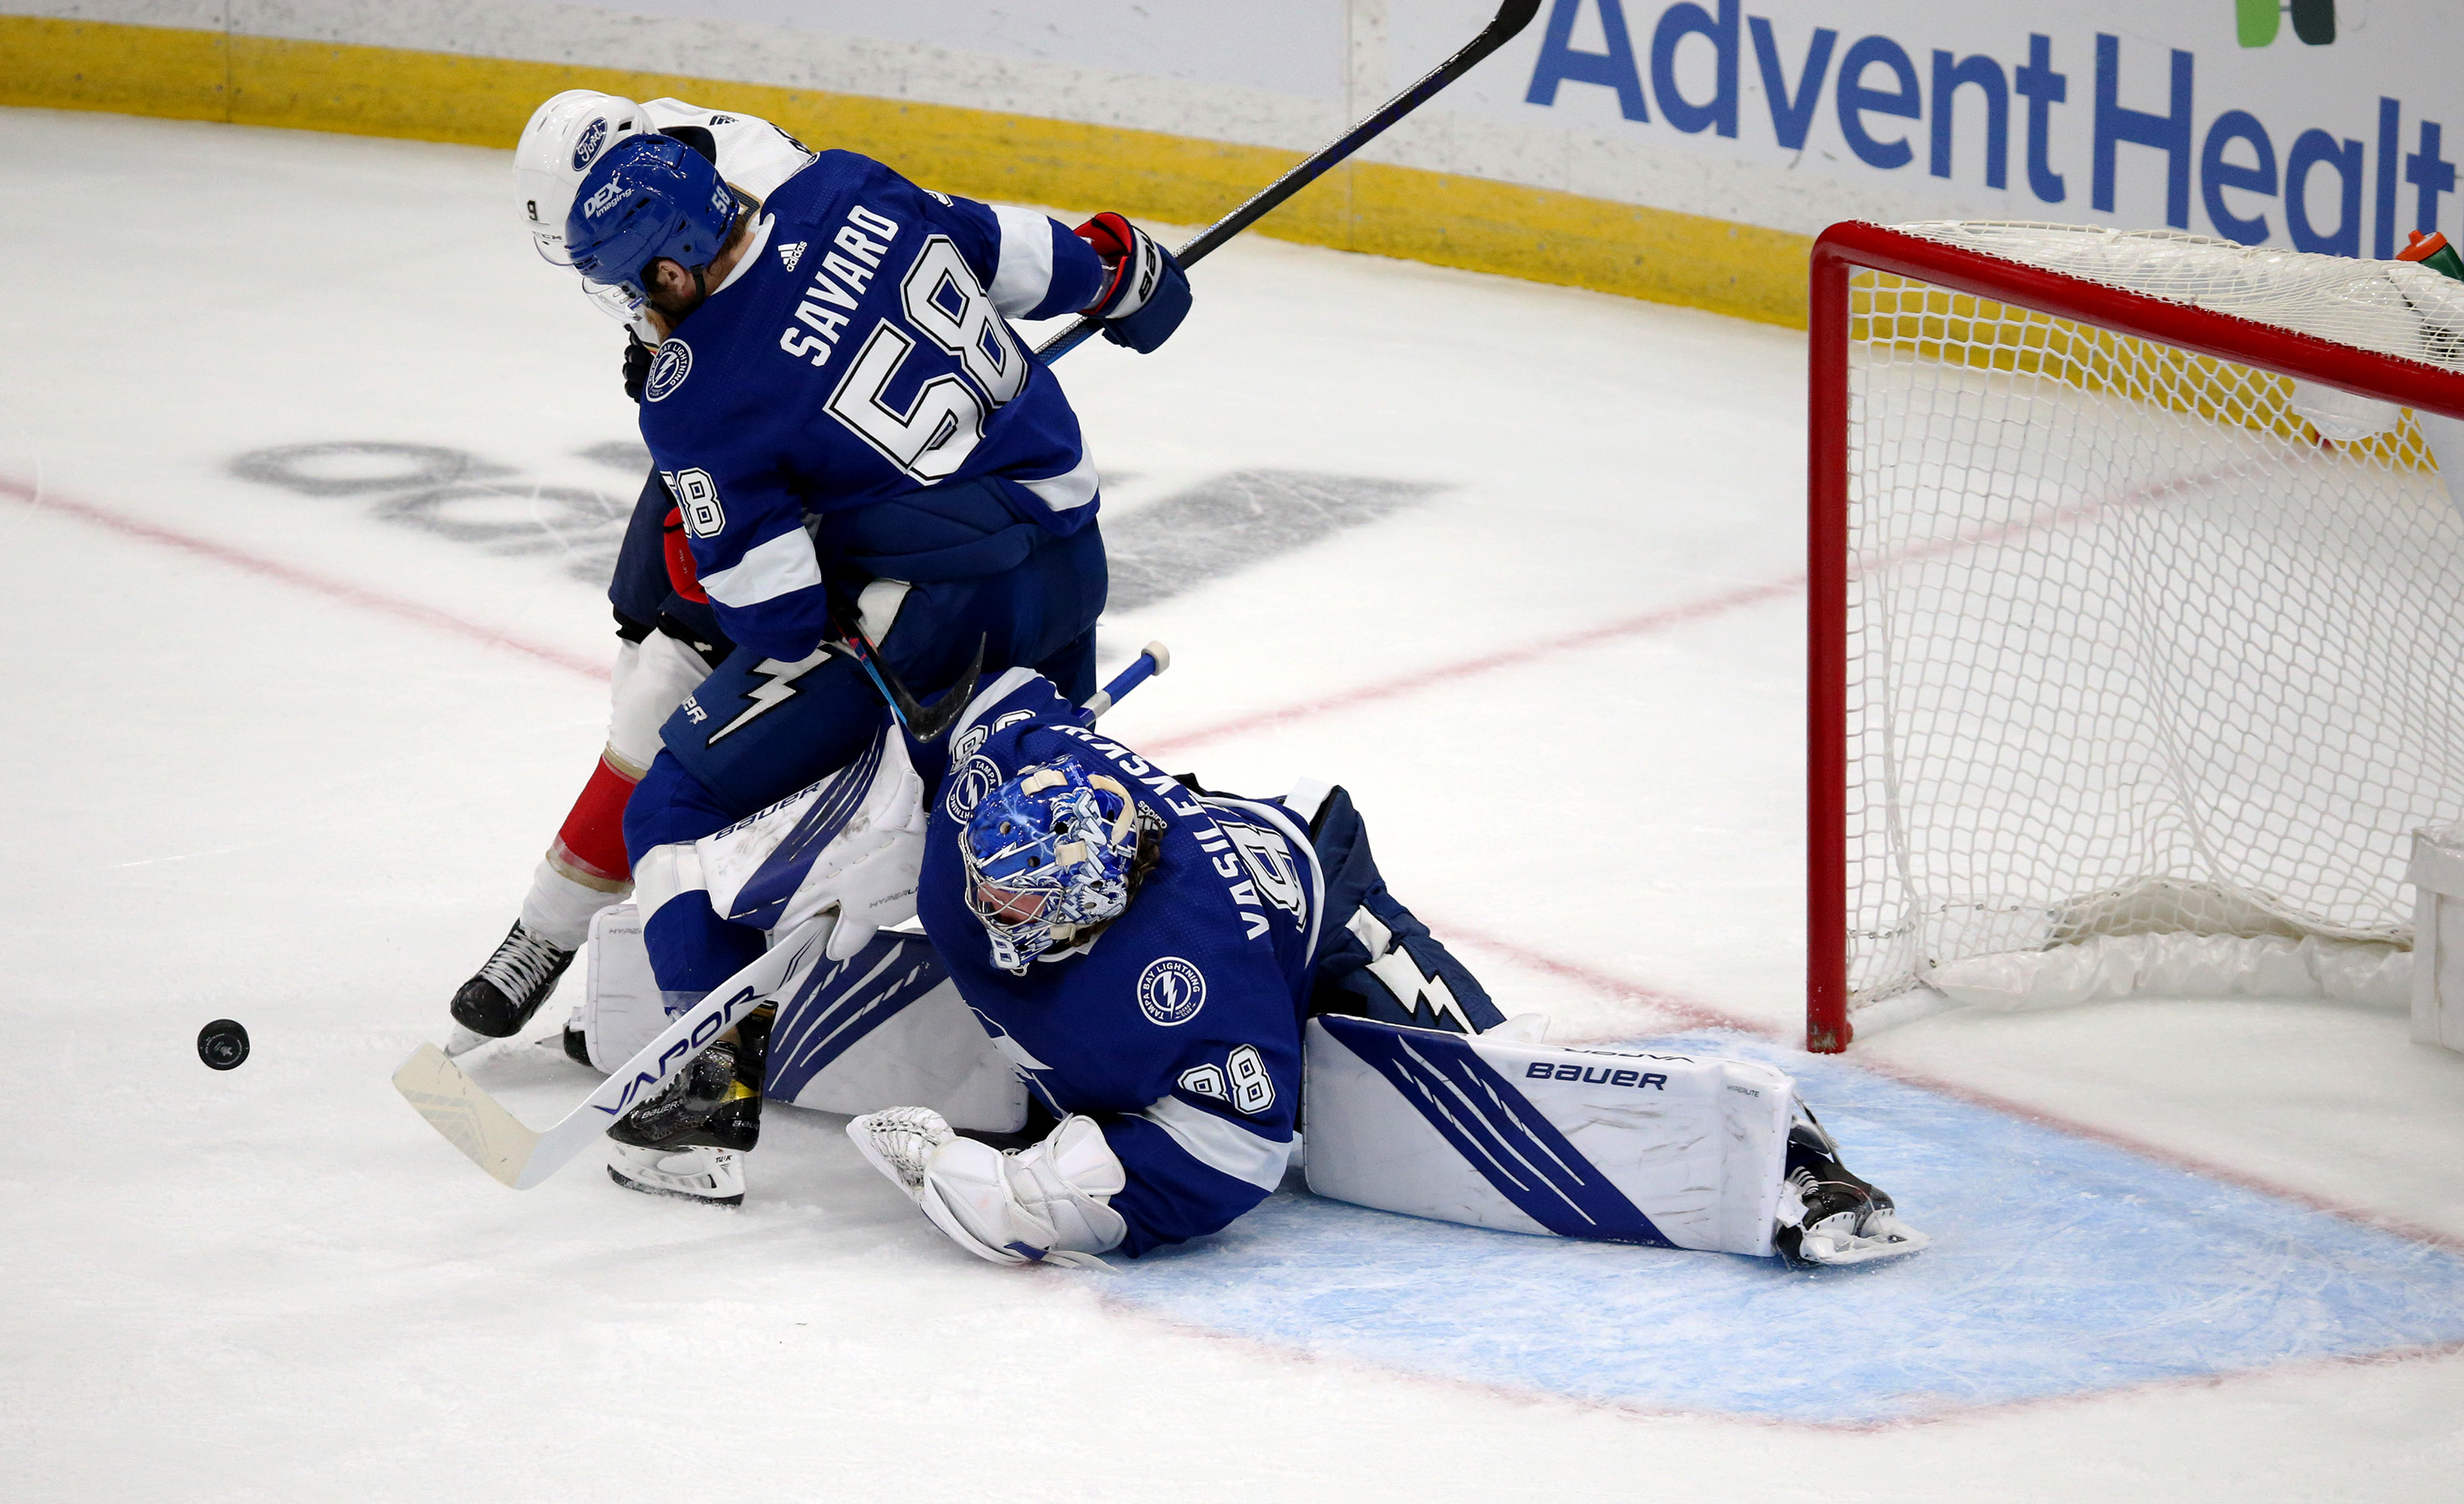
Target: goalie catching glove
(1146, 294)
(1048, 1203)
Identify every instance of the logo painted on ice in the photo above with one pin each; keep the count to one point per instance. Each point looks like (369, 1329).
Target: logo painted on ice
(669, 369)
(586, 151)
(1171, 991)
(974, 782)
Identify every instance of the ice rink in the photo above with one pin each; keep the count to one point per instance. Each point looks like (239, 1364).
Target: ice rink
(309, 472)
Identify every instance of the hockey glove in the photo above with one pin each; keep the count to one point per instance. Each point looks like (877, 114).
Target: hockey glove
(1146, 295)
(637, 364)
(683, 577)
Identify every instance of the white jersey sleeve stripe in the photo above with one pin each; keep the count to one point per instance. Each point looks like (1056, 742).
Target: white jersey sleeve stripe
(768, 570)
(1025, 274)
(1065, 491)
(1219, 1144)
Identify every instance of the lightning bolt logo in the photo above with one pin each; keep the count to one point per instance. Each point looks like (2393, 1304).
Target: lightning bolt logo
(1402, 977)
(778, 685)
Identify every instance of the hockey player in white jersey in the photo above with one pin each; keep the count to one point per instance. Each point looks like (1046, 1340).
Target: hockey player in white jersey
(668, 637)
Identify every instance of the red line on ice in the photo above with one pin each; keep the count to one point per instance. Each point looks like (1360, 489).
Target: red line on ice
(359, 595)
(1659, 620)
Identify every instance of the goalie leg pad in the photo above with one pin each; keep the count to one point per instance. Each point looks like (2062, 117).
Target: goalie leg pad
(1620, 1146)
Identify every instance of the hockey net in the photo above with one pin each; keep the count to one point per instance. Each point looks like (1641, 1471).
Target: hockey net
(2126, 676)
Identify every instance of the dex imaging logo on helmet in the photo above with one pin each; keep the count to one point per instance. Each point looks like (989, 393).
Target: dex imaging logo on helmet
(605, 199)
(1171, 991)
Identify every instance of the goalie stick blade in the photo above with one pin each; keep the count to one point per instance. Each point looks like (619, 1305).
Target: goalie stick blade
(468, 1119)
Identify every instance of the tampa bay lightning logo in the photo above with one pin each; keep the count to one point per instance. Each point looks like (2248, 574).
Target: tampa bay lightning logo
(1171, 991)
(970, 785)
(669, 369)
(586, 151)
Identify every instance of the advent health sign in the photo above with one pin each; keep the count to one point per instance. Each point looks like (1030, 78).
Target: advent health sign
(2315, 125)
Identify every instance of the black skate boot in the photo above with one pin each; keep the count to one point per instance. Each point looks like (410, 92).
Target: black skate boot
(1829, 1214)
(510, 987)
(688, 1138)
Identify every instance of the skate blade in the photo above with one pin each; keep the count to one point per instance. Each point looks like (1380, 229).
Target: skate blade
(1839, 1253)
(649, 1189)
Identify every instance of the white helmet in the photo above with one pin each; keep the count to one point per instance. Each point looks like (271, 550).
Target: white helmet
(564, 138)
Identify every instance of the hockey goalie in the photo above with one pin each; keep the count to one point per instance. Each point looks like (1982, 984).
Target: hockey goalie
(1173, 976)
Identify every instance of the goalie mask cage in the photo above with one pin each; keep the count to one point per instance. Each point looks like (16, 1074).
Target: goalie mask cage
(2105, 639)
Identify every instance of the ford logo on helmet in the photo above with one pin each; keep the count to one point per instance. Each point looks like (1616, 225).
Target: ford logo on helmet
(586, 148)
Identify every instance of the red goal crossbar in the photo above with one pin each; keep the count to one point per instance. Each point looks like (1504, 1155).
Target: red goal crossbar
(1837, 254)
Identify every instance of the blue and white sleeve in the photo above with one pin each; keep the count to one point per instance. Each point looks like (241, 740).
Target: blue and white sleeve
(1033, 266)
(1194, 1164)
(754, 559)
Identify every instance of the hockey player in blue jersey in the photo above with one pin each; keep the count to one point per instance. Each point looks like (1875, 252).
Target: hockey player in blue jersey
(1146, 953)
(861, 448)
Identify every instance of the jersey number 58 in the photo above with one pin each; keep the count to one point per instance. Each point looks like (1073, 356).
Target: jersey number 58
(934, 432)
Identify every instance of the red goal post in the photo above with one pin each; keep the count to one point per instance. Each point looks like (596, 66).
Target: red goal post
(1924, 257)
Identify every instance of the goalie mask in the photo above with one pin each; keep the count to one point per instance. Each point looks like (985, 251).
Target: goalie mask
(1048, 855)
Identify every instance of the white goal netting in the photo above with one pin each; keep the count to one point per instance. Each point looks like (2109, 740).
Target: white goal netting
(2147, 684)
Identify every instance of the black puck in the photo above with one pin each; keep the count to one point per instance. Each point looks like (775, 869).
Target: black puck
(221, 1044)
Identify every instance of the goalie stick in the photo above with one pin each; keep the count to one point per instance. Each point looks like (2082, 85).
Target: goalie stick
(522, 1156)
(498, 1143)
(1511, 18)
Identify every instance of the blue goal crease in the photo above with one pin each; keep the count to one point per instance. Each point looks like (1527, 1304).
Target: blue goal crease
(2061, 1267)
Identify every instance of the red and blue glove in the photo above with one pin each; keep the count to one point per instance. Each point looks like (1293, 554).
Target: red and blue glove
(1146, 294)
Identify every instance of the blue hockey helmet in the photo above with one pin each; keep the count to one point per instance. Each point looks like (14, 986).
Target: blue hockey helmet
(646, 198)
(1048, 853)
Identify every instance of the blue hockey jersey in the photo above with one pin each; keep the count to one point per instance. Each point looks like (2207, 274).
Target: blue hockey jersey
(859, 351)
(1177, 1029)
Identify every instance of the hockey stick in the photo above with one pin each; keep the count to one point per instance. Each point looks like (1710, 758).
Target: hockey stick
(521, 1157)
(916, 719)
(1511, 17)
(1151, 661)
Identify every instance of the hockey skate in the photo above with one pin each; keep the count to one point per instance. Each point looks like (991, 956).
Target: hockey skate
(510, 987)
(688, 1138)
(1829, 1215)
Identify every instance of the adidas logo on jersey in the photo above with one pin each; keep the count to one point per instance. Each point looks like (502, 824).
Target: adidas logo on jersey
(789, 256)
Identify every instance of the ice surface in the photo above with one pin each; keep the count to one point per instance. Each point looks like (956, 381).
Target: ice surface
(287, 755)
